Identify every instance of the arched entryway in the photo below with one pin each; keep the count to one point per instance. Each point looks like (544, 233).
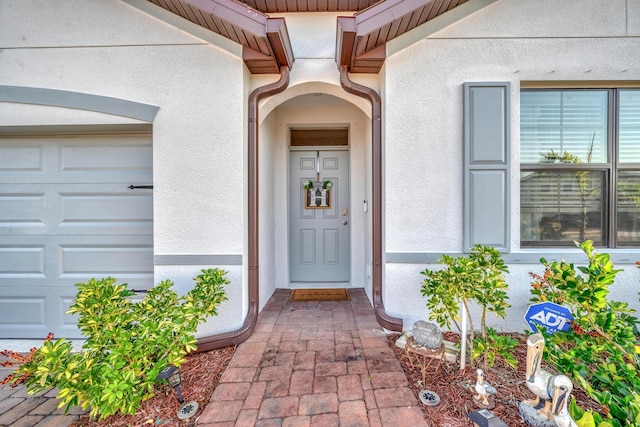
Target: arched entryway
(314, 109)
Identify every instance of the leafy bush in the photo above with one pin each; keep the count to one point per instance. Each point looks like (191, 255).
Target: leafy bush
(17, 359)
(477, 278)
(586, 418)
(601, 349)
(128, 343)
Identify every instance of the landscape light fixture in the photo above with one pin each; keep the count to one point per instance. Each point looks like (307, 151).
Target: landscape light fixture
(172, 374)
(485, 418)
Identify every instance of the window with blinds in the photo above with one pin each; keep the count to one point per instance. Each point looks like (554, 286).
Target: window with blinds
(580, 167)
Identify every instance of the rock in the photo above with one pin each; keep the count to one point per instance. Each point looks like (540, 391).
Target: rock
(427, 334)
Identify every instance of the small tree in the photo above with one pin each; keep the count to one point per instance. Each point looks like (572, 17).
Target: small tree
(128, 343)
(477, 278)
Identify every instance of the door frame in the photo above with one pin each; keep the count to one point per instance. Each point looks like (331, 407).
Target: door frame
(318, 284)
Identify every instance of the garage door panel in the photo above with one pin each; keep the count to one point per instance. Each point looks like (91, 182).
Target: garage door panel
(106, 204)
(76, 209)
(66, 215)
(19, 261)
(115, 156)
(40, 312)
(24, 209)
(123, 159)
(27, 310)
(105, 260)
(133, 280)
(25, 159)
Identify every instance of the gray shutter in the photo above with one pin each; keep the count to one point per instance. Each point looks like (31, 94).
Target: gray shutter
(487, 164)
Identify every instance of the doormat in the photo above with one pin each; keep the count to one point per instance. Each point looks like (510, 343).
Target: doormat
(319, 295)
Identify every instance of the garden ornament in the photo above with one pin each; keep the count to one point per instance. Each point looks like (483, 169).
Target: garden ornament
(484, 389)
(427, 334)
(562, 388)
(537, 412)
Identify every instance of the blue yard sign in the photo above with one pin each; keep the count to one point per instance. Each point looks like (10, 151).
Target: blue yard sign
(551, 316)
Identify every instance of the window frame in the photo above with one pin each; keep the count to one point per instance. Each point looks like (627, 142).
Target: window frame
(611, 169)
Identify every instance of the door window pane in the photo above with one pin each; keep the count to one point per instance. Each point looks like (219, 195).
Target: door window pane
(558, 208)
(572, 121)
(629, 126)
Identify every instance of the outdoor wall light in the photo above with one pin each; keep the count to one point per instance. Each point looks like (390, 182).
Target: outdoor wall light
(172, 374)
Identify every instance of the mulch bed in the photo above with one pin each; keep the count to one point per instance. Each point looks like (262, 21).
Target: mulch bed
(200, 374)
(456, 388)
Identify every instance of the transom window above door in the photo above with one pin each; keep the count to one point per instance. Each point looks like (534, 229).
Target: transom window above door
(580, 167)
(323, 137)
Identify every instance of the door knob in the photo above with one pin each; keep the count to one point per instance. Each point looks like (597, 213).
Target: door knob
(345, 222)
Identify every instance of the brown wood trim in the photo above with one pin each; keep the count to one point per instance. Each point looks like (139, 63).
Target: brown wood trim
(254, 30)
(345, 40)
(233, 12)
(380, 23)
(387, 321)
(258, 62)
(278, 6)
(279, 38)
(236, 337)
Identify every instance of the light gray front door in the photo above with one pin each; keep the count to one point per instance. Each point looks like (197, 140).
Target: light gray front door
(319, 248)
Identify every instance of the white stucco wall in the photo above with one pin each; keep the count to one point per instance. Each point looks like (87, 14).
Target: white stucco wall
(269, 188)
(124, 50)
(509, 40)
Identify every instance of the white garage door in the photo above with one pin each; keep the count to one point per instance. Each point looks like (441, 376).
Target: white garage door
(66, 215)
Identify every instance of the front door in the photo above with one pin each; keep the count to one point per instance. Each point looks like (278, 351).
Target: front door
(319, 203)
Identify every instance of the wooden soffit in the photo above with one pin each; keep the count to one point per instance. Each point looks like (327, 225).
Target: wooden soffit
(281, 6)
(265, 41)
(361, 39)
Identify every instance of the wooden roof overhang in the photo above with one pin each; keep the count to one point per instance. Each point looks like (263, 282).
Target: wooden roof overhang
(265, 41)
(281, 6)
(361, 38)
(360, 41)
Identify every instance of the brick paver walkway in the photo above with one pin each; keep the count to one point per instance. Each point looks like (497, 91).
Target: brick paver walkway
(306, 364)
(314, 364)
(17, 409)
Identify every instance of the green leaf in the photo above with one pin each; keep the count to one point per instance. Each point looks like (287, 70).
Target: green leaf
(586, 420)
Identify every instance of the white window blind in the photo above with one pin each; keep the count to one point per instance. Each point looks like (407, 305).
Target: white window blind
(629, 126)
(563, 121)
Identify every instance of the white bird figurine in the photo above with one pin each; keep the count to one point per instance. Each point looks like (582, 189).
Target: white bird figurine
(538, 380)
(562, 388)
(483, 388)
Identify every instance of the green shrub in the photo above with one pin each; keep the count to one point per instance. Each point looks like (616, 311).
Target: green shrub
(128, 343)
(477, 278)
(601, 349)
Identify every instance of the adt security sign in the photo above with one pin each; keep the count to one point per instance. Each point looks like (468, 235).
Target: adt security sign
(552, 316)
